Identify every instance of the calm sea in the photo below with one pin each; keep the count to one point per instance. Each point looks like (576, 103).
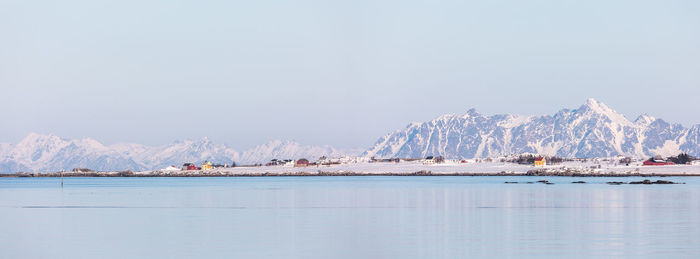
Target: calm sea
(347, 217)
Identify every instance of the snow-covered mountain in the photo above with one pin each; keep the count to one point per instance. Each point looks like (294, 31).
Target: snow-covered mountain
(38, 152)
(179, 152)
(289, 150)
(592, 130)
(41, 152)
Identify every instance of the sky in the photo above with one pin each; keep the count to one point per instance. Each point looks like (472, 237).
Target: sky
(340, 73)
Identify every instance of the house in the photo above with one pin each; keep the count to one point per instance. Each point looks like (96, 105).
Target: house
(540, 161)
(429, 160)
(274, 162)
(655, 161)
(189, 166)
(207, 165)
(301, 163)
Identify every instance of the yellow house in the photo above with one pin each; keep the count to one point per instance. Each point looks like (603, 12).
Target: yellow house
(540, 161)
(206, 165)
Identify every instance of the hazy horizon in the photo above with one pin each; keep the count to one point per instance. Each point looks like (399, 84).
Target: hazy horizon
(339, 74)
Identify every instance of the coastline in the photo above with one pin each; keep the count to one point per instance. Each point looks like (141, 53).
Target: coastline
(399, 169)
(212, 173)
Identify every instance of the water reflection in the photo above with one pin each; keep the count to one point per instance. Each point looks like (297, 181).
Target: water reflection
(345, 217)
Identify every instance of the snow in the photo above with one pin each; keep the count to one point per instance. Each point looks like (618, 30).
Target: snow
(670, 148)
(471, 167)
(644, 119)
(514, 121)
(171, 168)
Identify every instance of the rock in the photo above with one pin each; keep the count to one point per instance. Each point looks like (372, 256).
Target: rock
(650, 182)
(511, 182)
(615, 183)
(542, 181)
(642, 182)
(578, 182)
(663, 182)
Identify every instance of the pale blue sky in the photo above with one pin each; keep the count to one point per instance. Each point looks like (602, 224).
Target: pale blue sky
(332, 72)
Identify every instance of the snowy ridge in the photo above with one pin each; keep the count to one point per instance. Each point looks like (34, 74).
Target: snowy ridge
(50, 153)
(289, 150)
(592, 130)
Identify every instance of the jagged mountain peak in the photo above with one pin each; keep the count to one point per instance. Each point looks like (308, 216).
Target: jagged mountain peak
(36, 147)
(472, 113)
(88, 142)
(592, 102)
(593, 106)
(645, 119)
(39, 138)
(592, 130)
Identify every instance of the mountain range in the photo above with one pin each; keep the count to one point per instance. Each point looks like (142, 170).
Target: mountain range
(49, 153)
(592, 130)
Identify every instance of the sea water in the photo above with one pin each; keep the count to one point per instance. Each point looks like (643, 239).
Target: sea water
(347, 217)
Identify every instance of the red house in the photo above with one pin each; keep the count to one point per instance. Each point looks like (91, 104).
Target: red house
(302, 163)
(189, 166)
(657, 162)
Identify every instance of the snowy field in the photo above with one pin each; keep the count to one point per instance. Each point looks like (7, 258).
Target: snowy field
(456, 168)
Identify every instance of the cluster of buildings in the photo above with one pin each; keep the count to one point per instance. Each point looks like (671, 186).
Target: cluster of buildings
(537, 161)
(325, 161)
(206, 165)
(429, 160)
(303, 162)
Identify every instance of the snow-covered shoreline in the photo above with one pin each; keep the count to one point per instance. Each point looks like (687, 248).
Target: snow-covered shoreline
(409, 169)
